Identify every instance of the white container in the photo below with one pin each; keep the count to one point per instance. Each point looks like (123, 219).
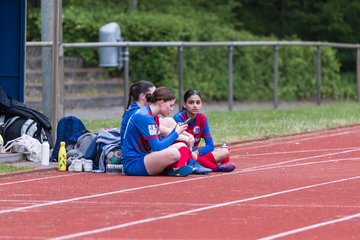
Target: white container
(1, 143)
(45, 153)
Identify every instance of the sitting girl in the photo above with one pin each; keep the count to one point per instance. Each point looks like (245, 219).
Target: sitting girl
(215, 159)
(144, 153)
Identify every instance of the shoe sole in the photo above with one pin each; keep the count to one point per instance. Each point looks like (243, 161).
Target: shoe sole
(202, 171)
(182, 171)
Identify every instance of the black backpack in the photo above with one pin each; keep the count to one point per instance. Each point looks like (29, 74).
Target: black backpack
(19, 119)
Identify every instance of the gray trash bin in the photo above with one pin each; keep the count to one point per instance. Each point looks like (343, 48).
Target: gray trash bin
(110, 56)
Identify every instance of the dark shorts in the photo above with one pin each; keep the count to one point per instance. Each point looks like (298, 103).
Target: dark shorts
(135, 167)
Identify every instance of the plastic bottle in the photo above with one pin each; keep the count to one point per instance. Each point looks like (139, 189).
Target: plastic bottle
(45, 153)
(114, 168)
(62, 157)
(1, 142)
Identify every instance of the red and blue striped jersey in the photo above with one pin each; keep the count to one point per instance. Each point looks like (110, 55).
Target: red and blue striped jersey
(199, 128)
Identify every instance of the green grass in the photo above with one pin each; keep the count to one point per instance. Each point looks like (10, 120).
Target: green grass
(7, 168)
(259, 123)
(262, 123)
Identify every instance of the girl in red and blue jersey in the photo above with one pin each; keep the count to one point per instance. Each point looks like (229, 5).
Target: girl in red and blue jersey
(144, 152)
(215, 159)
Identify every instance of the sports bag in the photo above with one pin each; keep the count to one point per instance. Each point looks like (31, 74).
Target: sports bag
(15, 127)
(67, 128)
(11, 108)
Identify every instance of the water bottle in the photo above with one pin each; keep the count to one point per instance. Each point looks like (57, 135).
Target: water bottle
(1, 143)
(114, 168)
(62, 157)
(45, 153)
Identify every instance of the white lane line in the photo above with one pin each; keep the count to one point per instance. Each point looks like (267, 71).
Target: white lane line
(294, 152)
(159, 185)
(304, 158)
(299, 164)
(96, 195)
(37, 179)
(282, 140)
(153, 219)
(306, 228)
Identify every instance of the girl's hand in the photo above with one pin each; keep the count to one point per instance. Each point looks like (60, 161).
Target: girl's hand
(194, 155)
(190, 141)
(180, 128)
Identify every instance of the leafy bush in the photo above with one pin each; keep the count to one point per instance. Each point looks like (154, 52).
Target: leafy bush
(205, 68)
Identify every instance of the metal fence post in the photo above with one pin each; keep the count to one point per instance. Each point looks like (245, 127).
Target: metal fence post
(180, 72)
(57, 89)
(230, 80)
(358, 73)
(126, 70)
(318, 75)
(276, 75)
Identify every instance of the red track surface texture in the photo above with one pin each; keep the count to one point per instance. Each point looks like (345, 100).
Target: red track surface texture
(297, 187)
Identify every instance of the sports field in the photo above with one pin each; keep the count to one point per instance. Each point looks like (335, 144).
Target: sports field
(303, 186)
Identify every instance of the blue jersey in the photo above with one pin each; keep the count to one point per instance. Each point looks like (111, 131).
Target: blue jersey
(199, 128)
(128, 113)
(142, 136)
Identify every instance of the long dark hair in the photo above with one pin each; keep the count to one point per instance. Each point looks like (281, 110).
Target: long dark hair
(190, 93)
(136, 89)
(161, 93)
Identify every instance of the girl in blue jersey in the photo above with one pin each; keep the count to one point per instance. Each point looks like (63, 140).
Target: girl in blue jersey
(144, 152)
(137, 99)
(215, 159)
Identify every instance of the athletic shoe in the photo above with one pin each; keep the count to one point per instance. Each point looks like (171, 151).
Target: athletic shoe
(226, 167)
(179, 172)
(198, 168)
(76, 166)
(88, 165)
(225, 145)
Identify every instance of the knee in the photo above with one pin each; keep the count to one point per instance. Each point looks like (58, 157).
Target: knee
(168, 122)
(174, 154)
(225, 152)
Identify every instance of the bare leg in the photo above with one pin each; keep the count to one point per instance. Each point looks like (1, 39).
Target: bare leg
(220, 154)
(156, 162)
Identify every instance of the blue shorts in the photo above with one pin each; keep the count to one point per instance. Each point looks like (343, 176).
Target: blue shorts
(135, 167)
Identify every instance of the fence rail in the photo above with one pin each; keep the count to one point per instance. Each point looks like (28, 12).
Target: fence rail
(60, 48)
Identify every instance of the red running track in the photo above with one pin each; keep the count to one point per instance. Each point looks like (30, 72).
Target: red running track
(297, 187)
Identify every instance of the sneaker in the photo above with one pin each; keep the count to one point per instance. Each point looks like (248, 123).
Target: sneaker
(88, 165)
(198, 168)
(225, 145)
(179, 172)
(226, 167)
(76, 166)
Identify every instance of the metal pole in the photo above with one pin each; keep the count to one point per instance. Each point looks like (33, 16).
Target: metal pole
(47, 26)
(55, 70)
(276, 75)
(230, 79)
(318, 75)
(126, 69)
(180, 72)
(358, 72)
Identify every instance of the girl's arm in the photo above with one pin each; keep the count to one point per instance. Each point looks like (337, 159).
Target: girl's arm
(209, 147)
(157, 145)
(209, 143)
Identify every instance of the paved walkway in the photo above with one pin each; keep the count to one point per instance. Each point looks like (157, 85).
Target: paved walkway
(117, 112)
